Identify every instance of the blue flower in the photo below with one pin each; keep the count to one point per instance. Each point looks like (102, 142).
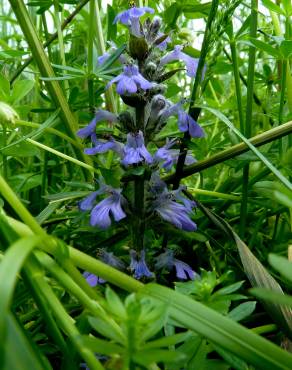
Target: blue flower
(131, 17)
(185, 121)
(130, 80)
(169, 156)
(135, 150)
(169, 209)
(183, 270)
(177, 54)
(102, 146)
(189, 204)
(101, 115)
(110, 206)
(110, 259)
(92, 279)
(139, 267)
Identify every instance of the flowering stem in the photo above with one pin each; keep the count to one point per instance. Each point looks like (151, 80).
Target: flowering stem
(139, 217)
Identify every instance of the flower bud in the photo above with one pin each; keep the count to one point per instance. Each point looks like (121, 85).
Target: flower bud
(154, 27)
(158, 103)
(7, 113)
(138, 47)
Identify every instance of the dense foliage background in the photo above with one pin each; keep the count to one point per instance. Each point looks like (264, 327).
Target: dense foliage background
(50, 86)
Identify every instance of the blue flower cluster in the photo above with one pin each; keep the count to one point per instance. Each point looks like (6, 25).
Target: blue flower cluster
(140, 87)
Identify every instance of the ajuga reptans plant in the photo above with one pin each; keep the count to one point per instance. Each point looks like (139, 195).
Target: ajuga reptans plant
(143, 201)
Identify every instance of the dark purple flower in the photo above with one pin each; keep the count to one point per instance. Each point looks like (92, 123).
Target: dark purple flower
(110, 259)
(169, 156)
(110, 206)
(101, 115)
(135, 150)
(138, 266)
(177, 54)
(185, 121)
(130, 80)
(183, 270)
(102, 146)
(131, 17)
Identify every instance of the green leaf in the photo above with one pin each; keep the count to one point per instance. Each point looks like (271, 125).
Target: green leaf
(111, 26)
(4, 88)
(273, 7)
(21, 149)
(274, 191)
(168, 341)
(115, 305)
(265, 47)
(270, 296)
(147, 357)
(268, 164)
(286, 48)
(256, 273)
(101, 346)
(20, 352)
(107, 329)
(242, 311)
(20, 89)
(220, 330)
(229, 288)
(282, 265)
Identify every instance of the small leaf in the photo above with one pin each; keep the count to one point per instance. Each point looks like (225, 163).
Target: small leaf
(265, 47)
(21, 89)
(273, 7)
(242, 311)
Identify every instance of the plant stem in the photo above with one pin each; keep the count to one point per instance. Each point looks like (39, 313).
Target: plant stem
(237, 83)
(139, 216)
(194, 112)
(62, 155)
(214, 194)
(90, 55)
(248, 115)
(258, 140)
(51, 130)
(282, 100)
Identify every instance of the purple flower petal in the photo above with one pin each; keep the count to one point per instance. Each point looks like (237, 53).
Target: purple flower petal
(139, 266)
(101, 115)
(135, 150)
(130, 80)
(87, 203)
(177, 54)
(91, 278)
(103, 146)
